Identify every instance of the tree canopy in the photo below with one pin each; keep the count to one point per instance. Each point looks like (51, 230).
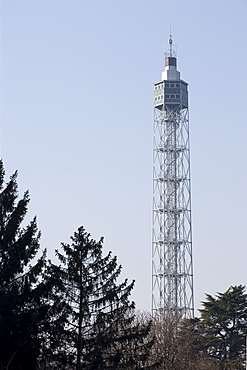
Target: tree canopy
(224, 326)
(22, 311)
(220, 332)
(100, 324)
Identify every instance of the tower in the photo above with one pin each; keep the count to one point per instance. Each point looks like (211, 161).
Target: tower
(172, 268)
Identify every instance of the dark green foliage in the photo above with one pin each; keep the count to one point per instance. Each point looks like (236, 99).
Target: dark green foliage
(220, 332)
(224, 325)
(21, 290)
(100, 328)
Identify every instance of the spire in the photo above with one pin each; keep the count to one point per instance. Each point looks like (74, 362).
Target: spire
(170, 72)
(170, 43)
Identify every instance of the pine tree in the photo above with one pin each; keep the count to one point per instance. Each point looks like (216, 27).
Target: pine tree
(22, 313)
(224, 326)
(101, 329)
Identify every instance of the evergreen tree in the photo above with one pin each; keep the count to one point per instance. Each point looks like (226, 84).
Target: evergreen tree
(22, 313)
(224, 326)
(101, 332)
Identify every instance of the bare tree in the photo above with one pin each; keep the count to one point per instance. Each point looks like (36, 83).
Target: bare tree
(175, 345)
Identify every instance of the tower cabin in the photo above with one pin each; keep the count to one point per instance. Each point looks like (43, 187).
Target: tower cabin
(171, 90)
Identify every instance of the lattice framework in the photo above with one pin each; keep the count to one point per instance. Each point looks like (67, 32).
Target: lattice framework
(172, 268)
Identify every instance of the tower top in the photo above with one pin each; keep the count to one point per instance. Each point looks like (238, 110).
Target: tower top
(170, 72)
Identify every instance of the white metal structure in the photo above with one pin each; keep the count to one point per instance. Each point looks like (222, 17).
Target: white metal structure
(172, 269)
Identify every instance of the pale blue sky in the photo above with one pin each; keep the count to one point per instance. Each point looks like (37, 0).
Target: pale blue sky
(76, 121)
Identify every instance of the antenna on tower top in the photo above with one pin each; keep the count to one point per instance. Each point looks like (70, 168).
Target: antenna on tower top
(170, 42)
(172, 50)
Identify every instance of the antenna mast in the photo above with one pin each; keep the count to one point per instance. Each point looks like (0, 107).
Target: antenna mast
(170, 42)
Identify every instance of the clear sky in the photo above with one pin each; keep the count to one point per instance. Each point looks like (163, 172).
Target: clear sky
(77, 118)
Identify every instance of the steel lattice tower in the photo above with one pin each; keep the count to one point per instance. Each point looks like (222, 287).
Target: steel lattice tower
(172, 268)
